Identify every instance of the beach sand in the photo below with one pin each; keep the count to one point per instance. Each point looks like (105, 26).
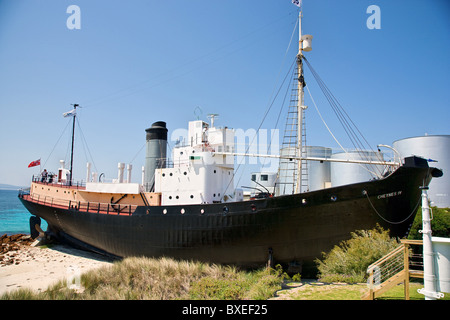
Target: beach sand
(37, 267)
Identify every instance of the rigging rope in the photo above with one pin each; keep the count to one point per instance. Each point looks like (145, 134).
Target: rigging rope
(348, 125)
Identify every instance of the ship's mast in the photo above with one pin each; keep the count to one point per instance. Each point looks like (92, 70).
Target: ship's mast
(73, 140)
(300, 104)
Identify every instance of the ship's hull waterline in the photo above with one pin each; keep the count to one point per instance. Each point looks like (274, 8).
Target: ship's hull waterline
(291, 228)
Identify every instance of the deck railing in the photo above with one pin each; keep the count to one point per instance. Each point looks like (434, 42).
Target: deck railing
(81, 206)
(64, 184)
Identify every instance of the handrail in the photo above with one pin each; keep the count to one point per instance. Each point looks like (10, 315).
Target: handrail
(391, 270)
(65, 184)
(84, 206)
(386, 257)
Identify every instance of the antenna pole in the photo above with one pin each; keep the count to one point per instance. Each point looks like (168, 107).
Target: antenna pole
(73, 138)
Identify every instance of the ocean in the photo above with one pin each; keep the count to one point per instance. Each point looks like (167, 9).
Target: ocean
(14, 218)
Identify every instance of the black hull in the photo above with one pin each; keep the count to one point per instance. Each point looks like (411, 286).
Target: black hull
(294, 228)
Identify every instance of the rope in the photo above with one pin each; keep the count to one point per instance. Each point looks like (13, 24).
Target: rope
(391, 222)
(348, 125)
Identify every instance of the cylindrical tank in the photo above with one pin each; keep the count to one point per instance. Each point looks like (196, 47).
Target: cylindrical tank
(437, 148)
(156, 148)
(348, 173)
(319, 172)
(286, 179)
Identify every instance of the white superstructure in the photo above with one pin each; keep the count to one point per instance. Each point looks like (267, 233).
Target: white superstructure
(197, 174)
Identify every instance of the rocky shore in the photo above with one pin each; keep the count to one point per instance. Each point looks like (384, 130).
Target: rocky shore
(10, 245)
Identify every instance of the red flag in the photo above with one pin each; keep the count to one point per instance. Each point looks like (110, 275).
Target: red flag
(34, 163)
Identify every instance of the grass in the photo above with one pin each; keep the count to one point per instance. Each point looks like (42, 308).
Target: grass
(341, 291)
(167, 279)
(162, 279)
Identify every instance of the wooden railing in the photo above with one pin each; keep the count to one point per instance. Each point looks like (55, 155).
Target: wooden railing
(391, 270)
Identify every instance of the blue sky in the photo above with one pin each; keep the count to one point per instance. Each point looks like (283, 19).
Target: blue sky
(136, 62)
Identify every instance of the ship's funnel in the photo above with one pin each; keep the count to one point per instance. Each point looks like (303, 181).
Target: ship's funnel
(155, 156)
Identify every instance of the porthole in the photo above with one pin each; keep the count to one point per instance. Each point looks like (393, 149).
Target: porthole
(185, 173)
(148, 211)
(192, 196)
(170, 197)
(225, 210)
(333, 198)
(163, 174)
(164, 211)
(171, 174)
(253, 206)
(177, 197)
(202, 211)
(182, 211)
(304, 201)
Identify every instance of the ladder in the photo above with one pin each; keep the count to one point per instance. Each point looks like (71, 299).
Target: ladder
(287, 172)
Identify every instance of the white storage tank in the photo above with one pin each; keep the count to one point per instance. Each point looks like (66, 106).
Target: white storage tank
(319, 172)
(435, 147)
(287, 172)
(348, 173)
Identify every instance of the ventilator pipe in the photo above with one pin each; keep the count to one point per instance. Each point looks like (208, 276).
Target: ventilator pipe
(129, 168)
(120, 166)
(88, 171)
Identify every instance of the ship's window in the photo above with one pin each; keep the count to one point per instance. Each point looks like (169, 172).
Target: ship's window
(253, 177)
(177, 197)
(192, 196)
(182, 211)
(202, 211)
(304, 201)
(170, 197)
(214, 171)
(333, 198)
(163, 174)
(185, 173)
(214, 195)
(164, 211)
(171, 174)
(264, 177)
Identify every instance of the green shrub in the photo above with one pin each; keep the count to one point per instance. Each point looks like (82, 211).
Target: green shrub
(162, 279)
(440, 223)
(348, 262)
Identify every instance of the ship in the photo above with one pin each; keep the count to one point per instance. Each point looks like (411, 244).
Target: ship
(188, 208)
